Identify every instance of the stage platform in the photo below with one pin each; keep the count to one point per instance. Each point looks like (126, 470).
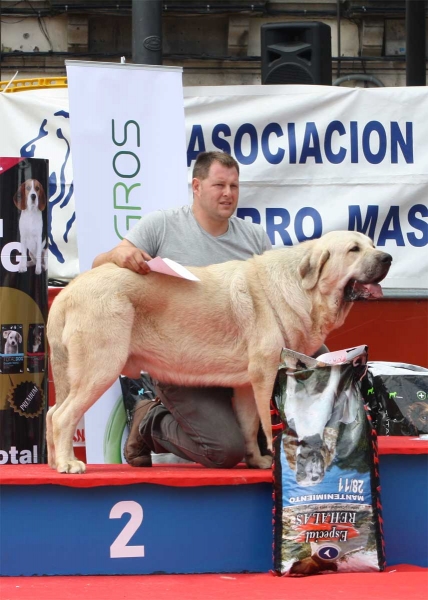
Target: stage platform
(116, 519)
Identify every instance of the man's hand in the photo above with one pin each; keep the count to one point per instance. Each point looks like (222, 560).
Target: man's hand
(130, 257)
(127, 256)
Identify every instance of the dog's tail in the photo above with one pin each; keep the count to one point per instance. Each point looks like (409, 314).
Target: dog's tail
(58, 350)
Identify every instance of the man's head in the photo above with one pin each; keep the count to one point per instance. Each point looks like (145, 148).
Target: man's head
(204, 161)
(215, 186)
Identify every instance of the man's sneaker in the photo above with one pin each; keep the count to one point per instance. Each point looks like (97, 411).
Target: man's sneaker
(136, 451)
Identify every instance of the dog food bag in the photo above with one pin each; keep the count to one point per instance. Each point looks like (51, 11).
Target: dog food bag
(397, 394)
(24, 309)
(327, 512)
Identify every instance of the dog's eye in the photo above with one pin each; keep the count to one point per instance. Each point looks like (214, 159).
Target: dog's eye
(355, 249)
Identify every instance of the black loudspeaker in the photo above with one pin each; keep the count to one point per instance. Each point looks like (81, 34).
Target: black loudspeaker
(298, 53)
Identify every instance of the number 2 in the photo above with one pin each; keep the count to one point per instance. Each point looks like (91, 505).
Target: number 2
(119, 548)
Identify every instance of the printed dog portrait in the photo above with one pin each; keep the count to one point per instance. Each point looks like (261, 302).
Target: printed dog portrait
(37, 340)
(13, 339)
(30, 199)
(311, 396)
(319, 400)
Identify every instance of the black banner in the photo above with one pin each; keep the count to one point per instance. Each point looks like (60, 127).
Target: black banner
(24, 307)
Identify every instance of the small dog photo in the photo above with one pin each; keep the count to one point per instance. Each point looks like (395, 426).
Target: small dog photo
(12, 352)
(36, 338)
(36, 348)
(12, 341)
(30, 199)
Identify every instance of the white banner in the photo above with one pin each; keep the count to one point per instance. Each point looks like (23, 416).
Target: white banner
(122, 166)
(318, 158)
(312, 159)
(128, 136)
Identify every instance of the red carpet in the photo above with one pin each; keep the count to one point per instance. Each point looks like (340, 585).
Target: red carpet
(177, 475)
(403, 582)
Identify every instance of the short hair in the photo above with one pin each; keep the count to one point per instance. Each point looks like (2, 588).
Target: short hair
(206, 159)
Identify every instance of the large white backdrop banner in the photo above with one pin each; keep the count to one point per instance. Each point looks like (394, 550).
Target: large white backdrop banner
(312, 159)
(318, 158)
(128, 137)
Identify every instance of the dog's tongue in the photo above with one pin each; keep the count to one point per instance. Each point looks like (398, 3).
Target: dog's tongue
(364, 291)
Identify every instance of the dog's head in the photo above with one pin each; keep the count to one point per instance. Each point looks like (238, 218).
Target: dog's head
(30, 196)
(13, 339)
(347, 263)
(310, 463)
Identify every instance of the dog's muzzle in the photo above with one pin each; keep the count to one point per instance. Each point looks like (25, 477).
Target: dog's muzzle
(370, 290)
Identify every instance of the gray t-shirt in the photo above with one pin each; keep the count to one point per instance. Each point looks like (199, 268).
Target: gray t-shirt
(176, 234)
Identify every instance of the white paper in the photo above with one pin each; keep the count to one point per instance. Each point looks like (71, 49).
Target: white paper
(170, 267)
(122, 137)
(340, 357)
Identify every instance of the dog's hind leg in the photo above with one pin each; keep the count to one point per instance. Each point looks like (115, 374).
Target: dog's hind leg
(59, 364)
(93, 366)
(49, 437)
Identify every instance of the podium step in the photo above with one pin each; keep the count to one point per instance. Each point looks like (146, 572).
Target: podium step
(116, 519)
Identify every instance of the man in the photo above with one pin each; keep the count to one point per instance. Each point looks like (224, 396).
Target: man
(197, 424)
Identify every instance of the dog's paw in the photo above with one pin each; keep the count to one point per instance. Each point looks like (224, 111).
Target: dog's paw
(260, 462)
(71, 466)
(38, 270)
(22, 268)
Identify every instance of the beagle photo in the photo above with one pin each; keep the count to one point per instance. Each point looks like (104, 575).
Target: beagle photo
(30, 199)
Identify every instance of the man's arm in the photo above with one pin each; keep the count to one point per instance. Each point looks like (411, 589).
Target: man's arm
(267, 243)
(125, 255)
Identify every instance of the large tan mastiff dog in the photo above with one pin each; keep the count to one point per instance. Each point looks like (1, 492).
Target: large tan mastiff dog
(228, 329)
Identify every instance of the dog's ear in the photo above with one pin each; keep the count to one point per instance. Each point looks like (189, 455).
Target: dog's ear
(20, 338)
(42, 198)
(6, 334)
(311, 266)
(20, 198)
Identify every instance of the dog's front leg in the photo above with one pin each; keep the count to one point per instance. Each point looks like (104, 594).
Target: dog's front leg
(246, 413)
(262, 371)
(35, 260)
(45, 255)
(24, 259)
(38, 257)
